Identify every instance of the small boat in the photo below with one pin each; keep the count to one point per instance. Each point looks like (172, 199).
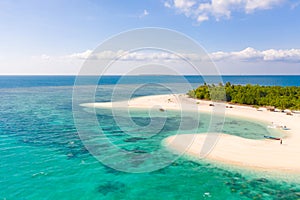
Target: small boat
(280, 126)
(274, 126)
(271, 138)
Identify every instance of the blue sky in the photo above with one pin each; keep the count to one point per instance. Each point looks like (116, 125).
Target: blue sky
(241, 36)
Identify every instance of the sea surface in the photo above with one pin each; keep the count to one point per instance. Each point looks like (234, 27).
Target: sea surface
(43, 157)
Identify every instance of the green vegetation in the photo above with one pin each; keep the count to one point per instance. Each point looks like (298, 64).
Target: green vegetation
(277, 96)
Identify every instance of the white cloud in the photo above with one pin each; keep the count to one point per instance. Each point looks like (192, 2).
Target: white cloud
(184, 5)
(202, 18)
(253, 55)
(247, 55)
(218, 9)
(246, 61)
(282, 55)
(252, 5)
(82, 55)
(167, 5)
(129, 56)
(144, 14)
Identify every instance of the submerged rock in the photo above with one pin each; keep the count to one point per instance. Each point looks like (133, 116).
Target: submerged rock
(139, 151)
(133, 139)
(110, 187)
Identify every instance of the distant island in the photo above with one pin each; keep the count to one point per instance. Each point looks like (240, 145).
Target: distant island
(276, 96)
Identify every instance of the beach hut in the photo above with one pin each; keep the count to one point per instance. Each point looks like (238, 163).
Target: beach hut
(277, 110)
(262, 109)
(288, 112)
(270, 108)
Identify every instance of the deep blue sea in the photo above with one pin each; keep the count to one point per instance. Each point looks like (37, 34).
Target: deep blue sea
(43, 157)
(38, 81)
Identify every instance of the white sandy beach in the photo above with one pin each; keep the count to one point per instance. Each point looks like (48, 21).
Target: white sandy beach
(257, 154)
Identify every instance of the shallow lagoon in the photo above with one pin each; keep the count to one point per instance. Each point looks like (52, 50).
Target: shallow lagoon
(42, 156)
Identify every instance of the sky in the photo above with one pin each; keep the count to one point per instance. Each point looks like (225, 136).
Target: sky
(241, 36)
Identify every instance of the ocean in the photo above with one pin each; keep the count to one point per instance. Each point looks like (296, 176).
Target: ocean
(38, 81)
(43, 157)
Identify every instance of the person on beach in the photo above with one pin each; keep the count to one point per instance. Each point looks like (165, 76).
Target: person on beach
(280, 141)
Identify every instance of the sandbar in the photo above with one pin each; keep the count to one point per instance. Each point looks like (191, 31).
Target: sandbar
(263, 154)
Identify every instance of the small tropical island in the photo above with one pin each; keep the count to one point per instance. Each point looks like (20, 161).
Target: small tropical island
(241, 101)
(255, 95)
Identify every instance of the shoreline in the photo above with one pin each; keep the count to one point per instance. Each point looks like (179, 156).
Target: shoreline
(262, 155)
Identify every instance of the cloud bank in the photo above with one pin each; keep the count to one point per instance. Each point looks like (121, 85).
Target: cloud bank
(247, 55)
(218, 9)
(252, 55)
(247, 61)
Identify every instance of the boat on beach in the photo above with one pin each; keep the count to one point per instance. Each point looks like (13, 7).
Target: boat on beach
(271, 137)
(279, 126)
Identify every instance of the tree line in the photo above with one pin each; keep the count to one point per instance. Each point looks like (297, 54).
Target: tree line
(256, 95)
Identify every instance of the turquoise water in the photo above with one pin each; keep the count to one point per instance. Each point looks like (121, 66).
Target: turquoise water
(42, 156)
